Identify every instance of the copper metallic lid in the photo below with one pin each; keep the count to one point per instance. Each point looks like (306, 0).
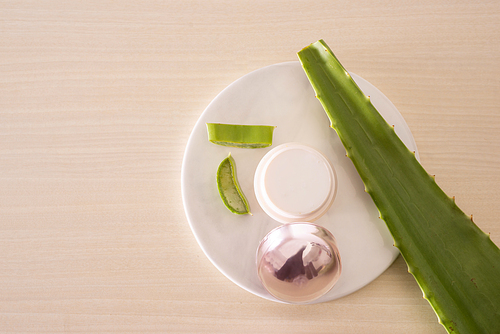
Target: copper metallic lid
(298, 263)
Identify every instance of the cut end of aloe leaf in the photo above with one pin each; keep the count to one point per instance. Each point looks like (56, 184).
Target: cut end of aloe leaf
(229, 189)
(243, 136)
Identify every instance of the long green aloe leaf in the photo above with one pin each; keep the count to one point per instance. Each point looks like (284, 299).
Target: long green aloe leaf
(456, 265)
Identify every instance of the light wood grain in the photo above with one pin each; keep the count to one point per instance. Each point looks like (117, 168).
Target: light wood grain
(98, 99)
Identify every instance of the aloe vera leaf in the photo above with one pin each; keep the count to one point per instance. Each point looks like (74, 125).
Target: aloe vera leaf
(244, 136)
(456, 265)
(229, 188)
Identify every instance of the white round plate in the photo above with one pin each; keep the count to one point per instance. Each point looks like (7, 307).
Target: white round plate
(281, 95)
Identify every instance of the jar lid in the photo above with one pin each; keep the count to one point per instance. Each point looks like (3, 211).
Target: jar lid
(298, 263)
(294, 182)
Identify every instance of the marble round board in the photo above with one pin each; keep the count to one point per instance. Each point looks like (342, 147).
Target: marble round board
(281, 95)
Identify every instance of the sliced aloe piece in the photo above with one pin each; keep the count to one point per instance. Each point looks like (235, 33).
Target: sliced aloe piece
(236, 135)
(456, 265)
(229, 188)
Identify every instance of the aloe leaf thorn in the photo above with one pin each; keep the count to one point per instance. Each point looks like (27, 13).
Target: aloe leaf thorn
(456, 265)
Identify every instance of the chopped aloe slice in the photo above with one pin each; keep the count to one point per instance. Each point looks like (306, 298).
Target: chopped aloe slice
(229, 189)
(245, 136)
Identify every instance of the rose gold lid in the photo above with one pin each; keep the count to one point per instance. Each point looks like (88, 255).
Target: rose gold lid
(299, 262)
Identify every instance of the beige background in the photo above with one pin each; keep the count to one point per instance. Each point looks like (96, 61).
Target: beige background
(98, 99)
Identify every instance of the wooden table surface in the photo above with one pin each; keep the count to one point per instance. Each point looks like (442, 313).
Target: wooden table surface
(97, 102)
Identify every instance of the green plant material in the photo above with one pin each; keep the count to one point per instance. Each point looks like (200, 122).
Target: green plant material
(456, 265)
(229, 189)
(245, 136)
